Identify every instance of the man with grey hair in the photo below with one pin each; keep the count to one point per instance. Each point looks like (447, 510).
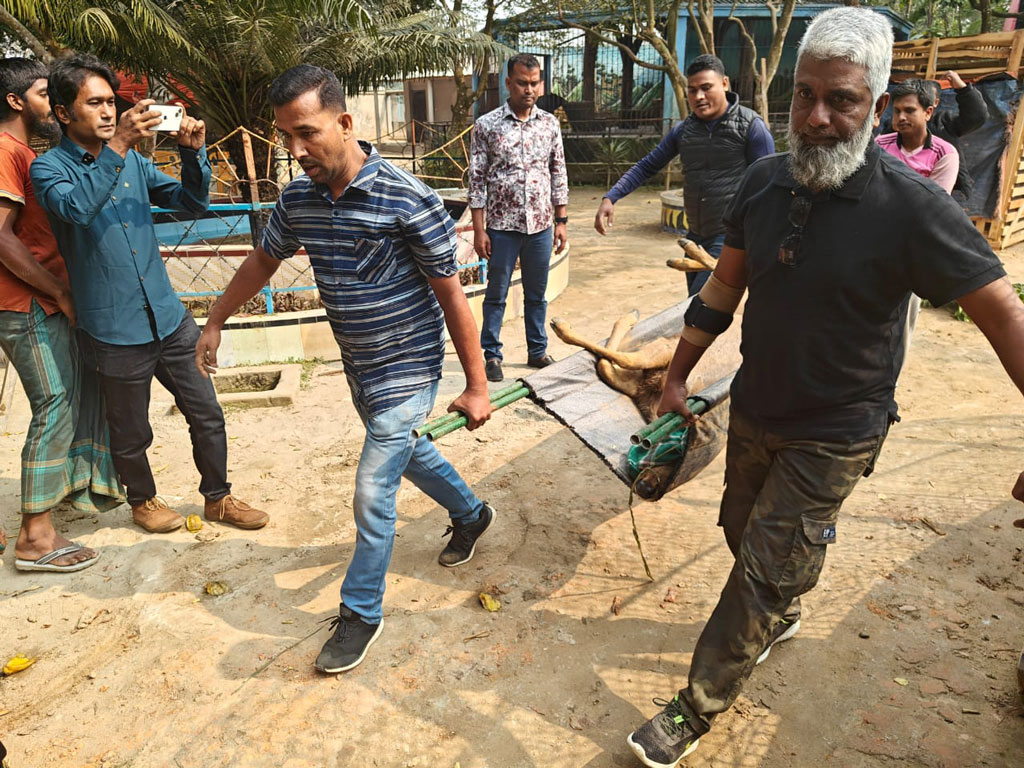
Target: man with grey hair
(829, 270)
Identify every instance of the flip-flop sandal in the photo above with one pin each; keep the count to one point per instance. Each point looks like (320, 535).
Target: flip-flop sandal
(45, 563)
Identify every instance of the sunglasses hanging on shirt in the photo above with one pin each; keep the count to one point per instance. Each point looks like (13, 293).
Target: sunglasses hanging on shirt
(799, 211)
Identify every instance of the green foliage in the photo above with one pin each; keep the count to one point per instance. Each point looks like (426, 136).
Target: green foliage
(223, 54)
(48, 27)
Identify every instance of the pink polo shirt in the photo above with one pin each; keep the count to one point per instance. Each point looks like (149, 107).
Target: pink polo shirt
(936, 159)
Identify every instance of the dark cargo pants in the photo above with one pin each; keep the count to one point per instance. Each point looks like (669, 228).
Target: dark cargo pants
(779, 513)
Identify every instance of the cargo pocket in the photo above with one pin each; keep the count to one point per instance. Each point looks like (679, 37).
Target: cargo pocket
(807, 555)
(375, 260)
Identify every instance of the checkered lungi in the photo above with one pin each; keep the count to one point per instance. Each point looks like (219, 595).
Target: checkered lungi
(66, 454)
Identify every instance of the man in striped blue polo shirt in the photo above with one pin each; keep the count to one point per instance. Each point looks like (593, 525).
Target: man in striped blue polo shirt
(382, 248)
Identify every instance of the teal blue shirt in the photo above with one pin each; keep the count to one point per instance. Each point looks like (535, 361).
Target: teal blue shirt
(99, 210)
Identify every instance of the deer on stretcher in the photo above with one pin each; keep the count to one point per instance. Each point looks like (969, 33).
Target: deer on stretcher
(640, 373)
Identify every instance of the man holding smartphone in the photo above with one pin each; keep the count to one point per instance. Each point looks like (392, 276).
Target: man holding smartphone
(97, 191)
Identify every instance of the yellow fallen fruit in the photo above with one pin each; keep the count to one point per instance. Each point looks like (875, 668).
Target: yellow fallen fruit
(490, 603)
(194, 523)
(216, 588)
(18, 664)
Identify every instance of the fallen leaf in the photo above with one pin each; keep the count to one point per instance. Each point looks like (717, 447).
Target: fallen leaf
(17, 664)
(900, 681)
(616, 605)
(216, 588)
(492, 604)
(194, 523)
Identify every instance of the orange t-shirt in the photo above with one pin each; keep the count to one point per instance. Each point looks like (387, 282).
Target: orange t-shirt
(32, 228)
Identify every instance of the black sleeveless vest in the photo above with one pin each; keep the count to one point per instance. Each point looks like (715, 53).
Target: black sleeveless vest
(714, 162)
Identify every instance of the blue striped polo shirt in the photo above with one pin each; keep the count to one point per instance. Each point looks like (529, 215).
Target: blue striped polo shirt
(371, 251)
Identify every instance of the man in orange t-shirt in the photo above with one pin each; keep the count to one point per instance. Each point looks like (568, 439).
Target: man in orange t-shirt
(66, 455)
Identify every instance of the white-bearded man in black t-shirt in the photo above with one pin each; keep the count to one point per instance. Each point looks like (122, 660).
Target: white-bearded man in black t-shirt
(828, 241)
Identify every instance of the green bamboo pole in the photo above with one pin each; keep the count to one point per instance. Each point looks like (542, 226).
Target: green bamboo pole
(641, 433)
(461, 421)
(651, 439)
(447, 418)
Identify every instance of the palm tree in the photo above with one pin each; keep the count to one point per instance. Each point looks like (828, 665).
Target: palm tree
(48, 27)
(222, 55)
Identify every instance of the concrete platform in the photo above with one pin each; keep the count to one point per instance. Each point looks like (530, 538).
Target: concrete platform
(283, 380)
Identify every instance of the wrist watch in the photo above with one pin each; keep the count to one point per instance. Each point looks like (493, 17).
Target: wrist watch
(561, 219)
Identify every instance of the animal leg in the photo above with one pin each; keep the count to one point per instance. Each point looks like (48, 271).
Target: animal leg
(633, 361)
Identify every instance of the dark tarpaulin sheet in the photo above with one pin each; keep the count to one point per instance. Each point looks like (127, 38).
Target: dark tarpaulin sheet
(603, 418)
(982, 150)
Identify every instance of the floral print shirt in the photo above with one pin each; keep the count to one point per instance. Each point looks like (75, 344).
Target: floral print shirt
(517, 169)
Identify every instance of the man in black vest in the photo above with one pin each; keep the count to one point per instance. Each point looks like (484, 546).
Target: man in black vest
(715, 144)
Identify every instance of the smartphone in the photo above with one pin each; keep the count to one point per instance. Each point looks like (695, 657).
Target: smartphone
(170, 116)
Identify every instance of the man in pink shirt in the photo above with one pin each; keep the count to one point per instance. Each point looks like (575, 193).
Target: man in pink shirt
(913, 143)
(913, 104)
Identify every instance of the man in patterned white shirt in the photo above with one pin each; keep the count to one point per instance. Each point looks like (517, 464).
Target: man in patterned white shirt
(517, 174)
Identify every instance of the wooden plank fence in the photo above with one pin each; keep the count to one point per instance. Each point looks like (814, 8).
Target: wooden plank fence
(976, 57)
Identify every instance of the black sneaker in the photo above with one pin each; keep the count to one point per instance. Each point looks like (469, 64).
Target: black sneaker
(666, 738)
(783, 631)
(540, 362)
(462, 545)
(492, 369)
(347, 647)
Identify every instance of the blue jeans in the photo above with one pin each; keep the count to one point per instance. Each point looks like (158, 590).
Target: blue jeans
(534, 254)
(390, 452)
(713, 245)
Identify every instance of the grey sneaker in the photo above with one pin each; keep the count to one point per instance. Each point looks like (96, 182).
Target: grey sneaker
(782, 632)
(462, 544)
(347, 646)
(666, 738)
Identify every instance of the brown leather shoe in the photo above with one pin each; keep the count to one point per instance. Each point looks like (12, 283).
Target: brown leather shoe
(155, 516)
(235, 512)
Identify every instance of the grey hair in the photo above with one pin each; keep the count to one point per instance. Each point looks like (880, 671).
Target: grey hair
(857, 35)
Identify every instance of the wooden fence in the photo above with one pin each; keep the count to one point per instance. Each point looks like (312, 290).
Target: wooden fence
(974, 58)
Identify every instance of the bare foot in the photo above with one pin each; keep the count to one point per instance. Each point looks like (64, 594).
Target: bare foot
(33, 548)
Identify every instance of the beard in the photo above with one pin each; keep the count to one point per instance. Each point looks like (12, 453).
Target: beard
(821, 168)
(46, 128)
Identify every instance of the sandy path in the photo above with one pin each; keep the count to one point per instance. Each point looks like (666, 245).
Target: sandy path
(137, 667)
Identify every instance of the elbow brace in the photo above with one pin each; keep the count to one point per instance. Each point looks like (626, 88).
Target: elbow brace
(710, 312)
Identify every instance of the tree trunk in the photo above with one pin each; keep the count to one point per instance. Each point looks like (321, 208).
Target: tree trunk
(626, 100)
(26, 36)
(590, 46)
(465, 95)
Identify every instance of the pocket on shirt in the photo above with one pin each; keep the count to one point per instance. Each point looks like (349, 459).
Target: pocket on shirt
(375, 260)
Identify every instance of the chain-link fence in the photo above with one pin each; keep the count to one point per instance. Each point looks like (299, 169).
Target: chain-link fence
(202, 253)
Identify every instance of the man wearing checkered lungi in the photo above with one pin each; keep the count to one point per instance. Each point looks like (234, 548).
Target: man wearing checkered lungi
(66, 455)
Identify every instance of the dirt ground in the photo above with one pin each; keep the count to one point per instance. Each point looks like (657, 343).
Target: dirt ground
(906, 656)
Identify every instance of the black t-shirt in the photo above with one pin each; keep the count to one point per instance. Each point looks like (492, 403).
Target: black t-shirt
(820, 339)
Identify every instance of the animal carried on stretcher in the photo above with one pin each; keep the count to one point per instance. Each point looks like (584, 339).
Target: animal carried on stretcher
(639, 369)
